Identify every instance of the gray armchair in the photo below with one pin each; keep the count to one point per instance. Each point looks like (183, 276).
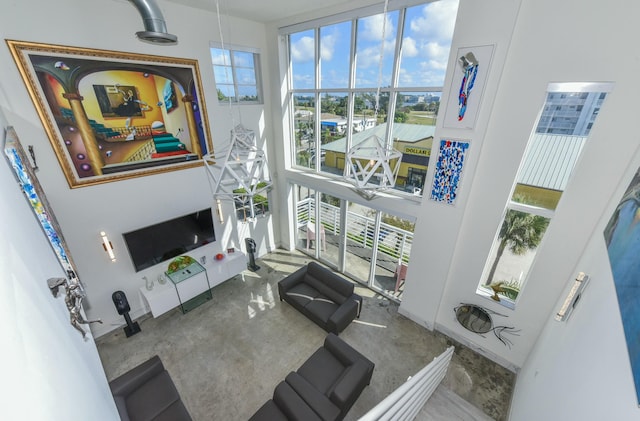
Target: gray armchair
(147, 393)
(324, 388)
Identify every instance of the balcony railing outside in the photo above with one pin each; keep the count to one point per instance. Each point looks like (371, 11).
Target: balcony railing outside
(394, 244)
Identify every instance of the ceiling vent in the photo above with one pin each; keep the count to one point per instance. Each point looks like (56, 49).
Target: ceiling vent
(154, 24)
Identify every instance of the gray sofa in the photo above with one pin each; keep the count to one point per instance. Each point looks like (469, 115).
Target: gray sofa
(321, 295)
(324, 388)
(147, 393)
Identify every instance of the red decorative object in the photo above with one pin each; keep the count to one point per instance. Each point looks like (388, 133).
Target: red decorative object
(219, 256)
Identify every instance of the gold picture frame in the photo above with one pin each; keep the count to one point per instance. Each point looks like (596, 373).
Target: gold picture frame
(113, 115)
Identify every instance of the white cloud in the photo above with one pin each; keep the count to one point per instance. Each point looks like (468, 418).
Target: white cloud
(303, 49)
(437, 21)
(409, 47)
(327, 45)
(370, 56)
(219, 57)
(372, 28)
(302, 81)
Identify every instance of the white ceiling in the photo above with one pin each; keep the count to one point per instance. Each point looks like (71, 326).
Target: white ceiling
(261, 10)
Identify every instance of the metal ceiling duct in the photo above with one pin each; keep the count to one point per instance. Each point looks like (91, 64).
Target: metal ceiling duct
(154, 24)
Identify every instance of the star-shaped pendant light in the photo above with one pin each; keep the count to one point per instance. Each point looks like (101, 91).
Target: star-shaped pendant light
(374, 165)
(238, 172)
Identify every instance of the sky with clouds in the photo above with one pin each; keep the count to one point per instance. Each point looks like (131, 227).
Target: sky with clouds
(426, 41)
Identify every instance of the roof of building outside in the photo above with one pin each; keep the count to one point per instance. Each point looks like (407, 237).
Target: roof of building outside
(550, 160)
(408, 133)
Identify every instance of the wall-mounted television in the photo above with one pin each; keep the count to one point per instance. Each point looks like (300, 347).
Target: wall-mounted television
(156, 243)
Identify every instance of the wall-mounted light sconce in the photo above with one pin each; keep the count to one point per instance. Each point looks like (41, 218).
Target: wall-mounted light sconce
(108, 247)
(219, 211)
(574, 296)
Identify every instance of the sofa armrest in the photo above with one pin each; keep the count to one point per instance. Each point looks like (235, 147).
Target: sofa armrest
(292, 405)
(320, 404)
(290, 281)
(344, 315)
(134, 378)
(351, 384)
(346, 354)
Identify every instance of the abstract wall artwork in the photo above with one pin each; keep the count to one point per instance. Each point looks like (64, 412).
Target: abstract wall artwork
(448, 170)
(114, 115)
(36, 198)
(622, 237)
(472, 67)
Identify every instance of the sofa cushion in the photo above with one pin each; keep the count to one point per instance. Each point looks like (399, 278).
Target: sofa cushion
(331, 279)
(176, 411)
(322, 308)
(321, 370)
(152, 398)
(319, 285)
(268, 412)
(292, 405)
(320, 404)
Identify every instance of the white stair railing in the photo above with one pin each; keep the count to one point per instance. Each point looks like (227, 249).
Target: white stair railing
(406, 401)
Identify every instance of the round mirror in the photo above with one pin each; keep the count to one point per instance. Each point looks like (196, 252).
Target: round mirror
(474, 318)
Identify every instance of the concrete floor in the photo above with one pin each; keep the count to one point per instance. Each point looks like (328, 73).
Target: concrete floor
(227, 355)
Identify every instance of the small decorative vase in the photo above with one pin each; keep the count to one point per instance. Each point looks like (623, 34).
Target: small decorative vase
(148, 283)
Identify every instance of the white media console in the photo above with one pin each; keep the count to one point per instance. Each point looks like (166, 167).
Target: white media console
(163, 298)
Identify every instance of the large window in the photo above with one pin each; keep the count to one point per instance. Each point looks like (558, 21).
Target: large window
(337, 67)
(237, 74)
(552, 152)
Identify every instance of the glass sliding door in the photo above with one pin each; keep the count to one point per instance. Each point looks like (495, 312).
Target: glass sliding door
(360, 232)
(305, 219)
(364, 244)
(330, 229)
(395, 237)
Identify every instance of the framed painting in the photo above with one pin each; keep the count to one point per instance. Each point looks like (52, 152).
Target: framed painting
(448, 171)
(114, 115)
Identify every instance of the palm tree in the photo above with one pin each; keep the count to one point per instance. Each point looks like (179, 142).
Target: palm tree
(520, 232)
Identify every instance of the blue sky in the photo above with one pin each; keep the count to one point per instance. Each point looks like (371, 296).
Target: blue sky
(426, 41)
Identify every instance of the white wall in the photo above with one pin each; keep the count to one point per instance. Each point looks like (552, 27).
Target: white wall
(580, 369)
(552, 42)
(122, 206)
(49, 372)
(439, 230)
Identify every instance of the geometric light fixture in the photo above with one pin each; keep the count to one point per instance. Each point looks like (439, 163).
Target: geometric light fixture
(108, 247)
(374, 163)
(238, 172)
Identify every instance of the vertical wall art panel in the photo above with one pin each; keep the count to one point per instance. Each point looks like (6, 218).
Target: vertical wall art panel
(36, 198)
(622, 236)
(448, 171)
(470, 75)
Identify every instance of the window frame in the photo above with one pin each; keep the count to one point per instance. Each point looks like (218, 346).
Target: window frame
(231, 49)
(351, 91)
(554, 91)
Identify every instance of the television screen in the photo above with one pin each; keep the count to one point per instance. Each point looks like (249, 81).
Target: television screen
(163, 241)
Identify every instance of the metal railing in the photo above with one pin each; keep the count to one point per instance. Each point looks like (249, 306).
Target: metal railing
(406, 401)
(393, 242)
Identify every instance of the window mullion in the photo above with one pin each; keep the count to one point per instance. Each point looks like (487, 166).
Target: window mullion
(534, 210)
(233, 74)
